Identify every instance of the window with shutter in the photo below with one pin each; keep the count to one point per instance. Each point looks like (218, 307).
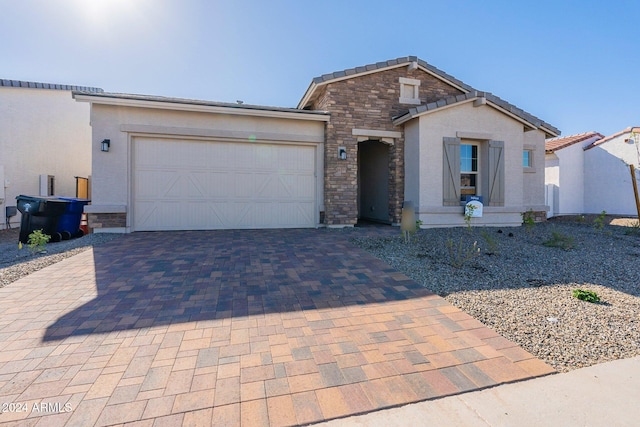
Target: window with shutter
(465, 174)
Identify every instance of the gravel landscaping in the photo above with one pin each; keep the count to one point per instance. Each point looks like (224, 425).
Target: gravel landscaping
(521, 280)
(16, 263)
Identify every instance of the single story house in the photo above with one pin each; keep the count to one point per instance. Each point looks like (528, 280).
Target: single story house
(589, 173)
(360, 143)
(44, 142)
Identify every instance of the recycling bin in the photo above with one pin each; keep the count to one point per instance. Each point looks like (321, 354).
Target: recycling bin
(69, 221)
(40, 213)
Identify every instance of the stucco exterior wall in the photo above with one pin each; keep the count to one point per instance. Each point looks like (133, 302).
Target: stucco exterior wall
(111, 183)
(607, 181)
(42, 132)
(466, 120)
(570, 180)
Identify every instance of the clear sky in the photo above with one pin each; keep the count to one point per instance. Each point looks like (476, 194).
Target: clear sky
(574, 64)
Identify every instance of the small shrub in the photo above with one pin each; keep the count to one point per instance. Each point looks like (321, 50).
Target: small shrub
(492, 244)
(528, 219)
(588, 296)
(468, 214)
(599, 221)
(634, 229)
(461, 253)
(559, 240)
(37, 241)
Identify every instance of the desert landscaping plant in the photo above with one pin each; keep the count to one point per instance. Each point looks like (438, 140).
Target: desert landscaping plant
(37, 241)
(461, 253)
(588, 296)
(528, 219)
(559, 240)
(468, 214)
(599, 221)
(492, 244)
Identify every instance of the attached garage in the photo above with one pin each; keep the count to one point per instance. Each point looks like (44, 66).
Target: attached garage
(205, 184)
(176, 164)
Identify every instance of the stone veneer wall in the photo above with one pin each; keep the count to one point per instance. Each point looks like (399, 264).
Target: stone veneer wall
(107, 220)
(367, 102)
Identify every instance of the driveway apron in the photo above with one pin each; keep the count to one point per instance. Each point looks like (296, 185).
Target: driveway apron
(252, 327)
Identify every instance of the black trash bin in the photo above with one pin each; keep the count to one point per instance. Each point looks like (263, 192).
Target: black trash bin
(40, 213)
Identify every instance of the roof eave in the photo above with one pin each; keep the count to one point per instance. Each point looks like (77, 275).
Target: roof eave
(185, 105)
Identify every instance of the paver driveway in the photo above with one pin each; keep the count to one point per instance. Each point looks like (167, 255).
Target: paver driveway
(270, 327)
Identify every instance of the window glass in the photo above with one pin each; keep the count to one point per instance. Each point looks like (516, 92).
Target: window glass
(526, 158)
(468, 171)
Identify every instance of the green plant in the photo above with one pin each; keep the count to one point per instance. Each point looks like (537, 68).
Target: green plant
(580, 218)
(588, 296)
(559, 240)
(633, 229)
(599, 221)
(37, 241)
(528, 219)
(469, 209)
(461, 253)
(492, 244)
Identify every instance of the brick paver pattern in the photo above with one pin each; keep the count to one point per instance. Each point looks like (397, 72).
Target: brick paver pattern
(254, 327)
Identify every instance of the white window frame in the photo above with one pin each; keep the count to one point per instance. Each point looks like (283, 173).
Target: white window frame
(412, 88)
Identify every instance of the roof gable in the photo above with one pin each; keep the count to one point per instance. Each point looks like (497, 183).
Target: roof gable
(480, 98)
(555, 144)
(629, 130)
(413, 62)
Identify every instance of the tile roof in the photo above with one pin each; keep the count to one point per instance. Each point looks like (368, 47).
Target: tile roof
(554, 144)
(470, 91)
(53, 86)
(630, 129)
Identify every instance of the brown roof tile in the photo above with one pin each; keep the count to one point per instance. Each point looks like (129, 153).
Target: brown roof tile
(554, 144)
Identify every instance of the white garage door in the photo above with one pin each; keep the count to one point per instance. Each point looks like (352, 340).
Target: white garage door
(203, 185)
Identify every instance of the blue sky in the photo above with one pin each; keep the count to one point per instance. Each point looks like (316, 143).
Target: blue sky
(574, 64)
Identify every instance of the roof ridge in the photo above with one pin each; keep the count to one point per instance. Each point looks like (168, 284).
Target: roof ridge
(53, 86)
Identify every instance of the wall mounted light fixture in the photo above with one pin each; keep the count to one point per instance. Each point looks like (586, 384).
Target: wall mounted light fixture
(105, 144)
(342, 153)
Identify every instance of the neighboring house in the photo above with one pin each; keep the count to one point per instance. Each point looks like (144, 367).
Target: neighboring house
(361, 142)
(565, 172)
(45, 141)
(589, 173)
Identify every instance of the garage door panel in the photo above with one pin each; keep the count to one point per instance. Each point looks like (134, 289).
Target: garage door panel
(190, 185)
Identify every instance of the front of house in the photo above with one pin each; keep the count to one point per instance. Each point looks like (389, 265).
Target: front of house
(360, 143)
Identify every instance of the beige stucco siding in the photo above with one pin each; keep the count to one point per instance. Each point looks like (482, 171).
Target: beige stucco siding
(42, 132)
(112, 182)
(485, 123)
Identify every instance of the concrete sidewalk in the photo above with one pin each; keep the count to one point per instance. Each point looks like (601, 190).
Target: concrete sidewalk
(607, 394)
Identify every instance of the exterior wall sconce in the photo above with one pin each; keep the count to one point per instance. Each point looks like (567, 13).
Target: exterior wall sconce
(342, 153)
(105, 144)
